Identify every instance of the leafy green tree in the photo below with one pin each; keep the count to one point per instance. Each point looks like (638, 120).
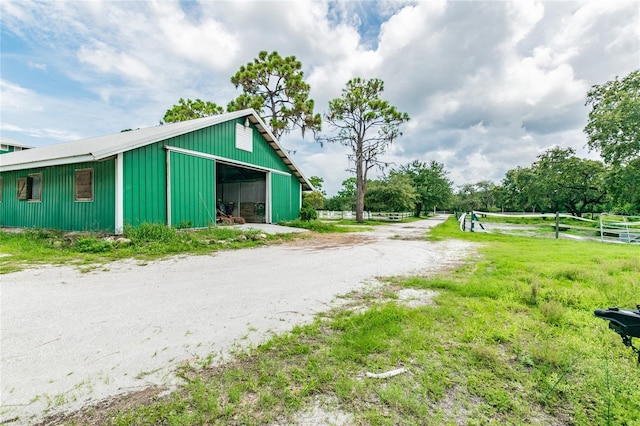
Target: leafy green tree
(486, 193)
(274, 86)
(394, 193)
(613, 127)
(569, 183)
(623, 186)
(500, 196)
(189, 109)
(317, 183)
(346, 197)
(467, 198)
(315, 198)
(373, 199)
(367, 125)
(521, 191)
(431, 183)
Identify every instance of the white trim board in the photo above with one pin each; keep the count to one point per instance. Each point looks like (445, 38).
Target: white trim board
(223, 160)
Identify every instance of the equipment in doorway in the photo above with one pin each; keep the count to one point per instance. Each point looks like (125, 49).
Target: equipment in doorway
(243, 191)
(224, 214)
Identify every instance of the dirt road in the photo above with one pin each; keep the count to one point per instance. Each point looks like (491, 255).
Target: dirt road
(68, 338)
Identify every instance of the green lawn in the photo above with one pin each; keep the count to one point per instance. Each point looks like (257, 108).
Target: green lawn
(510, 338)
(19, 250)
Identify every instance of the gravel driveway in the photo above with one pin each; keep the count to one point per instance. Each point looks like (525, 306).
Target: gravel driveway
(68, 338)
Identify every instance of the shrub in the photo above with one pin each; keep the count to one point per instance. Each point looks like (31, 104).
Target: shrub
(308, 213)
(93, 245)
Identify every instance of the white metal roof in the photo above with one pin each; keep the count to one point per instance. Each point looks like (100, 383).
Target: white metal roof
(102, 147)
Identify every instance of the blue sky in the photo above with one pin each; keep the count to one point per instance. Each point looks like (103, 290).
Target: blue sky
(488, 85)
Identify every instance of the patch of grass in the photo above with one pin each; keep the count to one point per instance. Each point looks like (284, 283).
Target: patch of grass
(93, 245)
(367, 222)
(551, 221)
(32, 247)
(151, 232)
(510, 339)
(324, 227)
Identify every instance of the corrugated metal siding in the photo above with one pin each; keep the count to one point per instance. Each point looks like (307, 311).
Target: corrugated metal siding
(58, 208)
(145, 182)
(285, 192)
(220, 140)
(193, 199)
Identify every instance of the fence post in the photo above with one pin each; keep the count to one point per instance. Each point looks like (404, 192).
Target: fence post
(601, 229)
(557, 224)
(472, 221)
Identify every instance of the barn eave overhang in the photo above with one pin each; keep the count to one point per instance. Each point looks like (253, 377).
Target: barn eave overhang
(49, 163)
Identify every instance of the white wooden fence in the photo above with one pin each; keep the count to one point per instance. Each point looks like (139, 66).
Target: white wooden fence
(333, 214)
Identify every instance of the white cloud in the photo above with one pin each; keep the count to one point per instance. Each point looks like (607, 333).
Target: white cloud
(108, 60)
(16, 98)
(11, 128)
(206, 42)
(27, 116)
(38, 66)
(39, 133)
(411, 25)
(523, 16)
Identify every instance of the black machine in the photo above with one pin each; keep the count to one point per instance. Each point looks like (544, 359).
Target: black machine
(625, 323)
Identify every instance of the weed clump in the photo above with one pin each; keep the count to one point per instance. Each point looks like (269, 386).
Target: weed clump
(151, 232)
(93, 245)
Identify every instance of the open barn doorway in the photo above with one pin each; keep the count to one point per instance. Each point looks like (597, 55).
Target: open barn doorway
(242, 191)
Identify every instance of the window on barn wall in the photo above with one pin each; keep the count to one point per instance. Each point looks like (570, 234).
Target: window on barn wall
(244, 137)
(23, 192)
(30, 187)
(84, 185)
(35, 187)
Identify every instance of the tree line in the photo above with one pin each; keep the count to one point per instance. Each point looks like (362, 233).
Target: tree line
(415, 187)
(360, 119)
(557, 181)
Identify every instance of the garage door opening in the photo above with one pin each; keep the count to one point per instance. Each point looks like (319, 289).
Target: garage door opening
(242, 191)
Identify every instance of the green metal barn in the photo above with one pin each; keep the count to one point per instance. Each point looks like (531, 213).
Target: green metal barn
(175, 174)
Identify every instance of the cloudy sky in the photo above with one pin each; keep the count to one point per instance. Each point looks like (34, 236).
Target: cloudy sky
(489, 85)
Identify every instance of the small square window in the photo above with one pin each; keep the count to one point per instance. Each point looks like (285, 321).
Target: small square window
(84, 185)
(30, 187)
